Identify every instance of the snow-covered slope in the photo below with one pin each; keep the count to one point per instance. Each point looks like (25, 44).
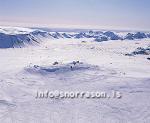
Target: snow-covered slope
(11, 37)
(19, 37)
(74, 61)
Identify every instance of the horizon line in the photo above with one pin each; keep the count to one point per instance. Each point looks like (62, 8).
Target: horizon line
(71, 27)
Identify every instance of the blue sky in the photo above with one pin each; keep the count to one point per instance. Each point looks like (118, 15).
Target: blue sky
(116, 14)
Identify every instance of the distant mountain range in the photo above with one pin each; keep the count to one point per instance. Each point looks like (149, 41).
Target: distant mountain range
(11, 37)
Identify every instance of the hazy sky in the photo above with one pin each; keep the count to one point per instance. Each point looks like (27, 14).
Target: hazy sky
(116, 14)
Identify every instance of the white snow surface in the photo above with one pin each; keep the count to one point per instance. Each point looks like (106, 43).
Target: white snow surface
(103, 67)
(15, 30)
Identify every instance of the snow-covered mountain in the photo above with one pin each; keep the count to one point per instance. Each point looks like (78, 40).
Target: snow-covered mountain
(19, 37)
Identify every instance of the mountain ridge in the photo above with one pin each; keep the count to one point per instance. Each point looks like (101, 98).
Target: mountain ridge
(11, 37)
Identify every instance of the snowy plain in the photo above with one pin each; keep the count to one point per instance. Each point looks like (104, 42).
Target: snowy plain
(129, 75)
